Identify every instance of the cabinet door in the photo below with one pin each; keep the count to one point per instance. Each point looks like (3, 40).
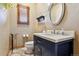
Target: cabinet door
(45, 51)
(37, 50)
(46, 47)
(65, 48)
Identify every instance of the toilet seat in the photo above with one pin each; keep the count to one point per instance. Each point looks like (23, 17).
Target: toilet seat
(29, 46)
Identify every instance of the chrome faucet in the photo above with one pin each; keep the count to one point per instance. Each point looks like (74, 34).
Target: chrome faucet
(53, 32)
(58, 31)
(62, 31)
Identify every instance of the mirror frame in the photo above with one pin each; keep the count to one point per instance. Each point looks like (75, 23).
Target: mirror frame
(62, 14)
(19, 14)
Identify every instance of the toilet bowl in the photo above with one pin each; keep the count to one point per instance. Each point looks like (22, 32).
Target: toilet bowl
(29, 46)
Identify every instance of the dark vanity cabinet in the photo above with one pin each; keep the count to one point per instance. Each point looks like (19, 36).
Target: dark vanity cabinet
(43, 47)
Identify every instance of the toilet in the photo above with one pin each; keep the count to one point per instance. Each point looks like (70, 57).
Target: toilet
(29, 46)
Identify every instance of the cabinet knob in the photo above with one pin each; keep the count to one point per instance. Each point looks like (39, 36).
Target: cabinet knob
(38, 41)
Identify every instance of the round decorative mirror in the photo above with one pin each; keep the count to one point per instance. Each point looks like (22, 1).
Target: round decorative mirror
(56, 12)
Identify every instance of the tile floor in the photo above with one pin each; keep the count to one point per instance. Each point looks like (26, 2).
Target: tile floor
(19, 52)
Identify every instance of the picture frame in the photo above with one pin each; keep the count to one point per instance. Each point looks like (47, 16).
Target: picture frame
(22, 14)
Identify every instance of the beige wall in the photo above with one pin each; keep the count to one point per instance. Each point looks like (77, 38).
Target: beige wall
(22, 29)
(42, 9)
(4, 37)
(70, 21)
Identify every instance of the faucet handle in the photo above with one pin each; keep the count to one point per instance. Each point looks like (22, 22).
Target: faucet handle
(53, 31)
(62, 31)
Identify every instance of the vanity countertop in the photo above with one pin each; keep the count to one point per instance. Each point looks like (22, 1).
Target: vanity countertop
(55, 37)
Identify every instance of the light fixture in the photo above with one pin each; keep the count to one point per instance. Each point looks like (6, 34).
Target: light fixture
(7, 5)
(3, 16)
(3, 12)
(41, 19)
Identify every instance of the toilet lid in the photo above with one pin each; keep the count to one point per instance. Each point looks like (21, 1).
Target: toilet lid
(29, 42)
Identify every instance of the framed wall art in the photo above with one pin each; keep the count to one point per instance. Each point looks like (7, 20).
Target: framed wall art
(23, 14)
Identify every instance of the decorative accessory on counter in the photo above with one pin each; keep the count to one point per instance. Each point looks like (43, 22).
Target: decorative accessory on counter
(25, 38)
(7, 5)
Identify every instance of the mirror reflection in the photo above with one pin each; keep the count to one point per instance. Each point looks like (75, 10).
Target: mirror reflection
(56, 13)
